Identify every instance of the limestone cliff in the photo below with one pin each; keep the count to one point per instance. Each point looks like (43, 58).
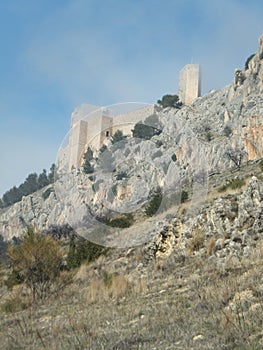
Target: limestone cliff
(192, 145)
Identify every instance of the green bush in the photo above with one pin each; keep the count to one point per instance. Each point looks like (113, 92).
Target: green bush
(184, 196)
(154, 203)
(248, 60)
(87, 167)
(227, 131)
(47, 193)
(124, 221)
(117, 137)
(261, 164)
(121, 175)
(174, 158)
(170, 101)
(37, 259)
(81, 250)
(145, 132)
(14, 279)
(233, 185)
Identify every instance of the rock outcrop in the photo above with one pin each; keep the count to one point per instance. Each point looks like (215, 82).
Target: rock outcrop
(193, 144)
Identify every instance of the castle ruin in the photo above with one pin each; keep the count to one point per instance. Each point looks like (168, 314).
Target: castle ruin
(93, 126)
(189, 83)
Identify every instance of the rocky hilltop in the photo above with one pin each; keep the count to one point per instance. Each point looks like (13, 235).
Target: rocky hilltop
(194, 143)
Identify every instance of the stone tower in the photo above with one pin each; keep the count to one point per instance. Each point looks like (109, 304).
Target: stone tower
(189, 83)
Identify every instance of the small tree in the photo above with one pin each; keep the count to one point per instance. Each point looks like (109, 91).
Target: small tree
(235, 155)
(38, 260)
(117, 137)
(88, 156)
(170, 101)
(81, 250)
(145, 132)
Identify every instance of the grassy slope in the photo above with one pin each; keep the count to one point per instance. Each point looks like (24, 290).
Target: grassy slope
(174, 303)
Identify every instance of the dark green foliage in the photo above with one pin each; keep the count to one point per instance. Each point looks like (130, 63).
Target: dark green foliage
(208, 136)
(3, 249)
(145, 132)
(124, 221)
(184, 196)
(32, 183)
(59, 232)
(261, 165)
(121, 175)
(233, 185)
(81, 250)
(47, 193)
(52, 174)
(117, 137)
(88, 168)
(103, 149)
(43, 179)
(14, 279)
(248, 60)
(114, 189)
(88, 157)
(159, 143)
(154, 203)
(174, 158)
(88, 154)
(227, 131)
(170, 101)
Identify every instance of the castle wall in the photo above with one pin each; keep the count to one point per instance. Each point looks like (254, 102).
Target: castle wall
(125, 122)
(189, 83)
(77, 142)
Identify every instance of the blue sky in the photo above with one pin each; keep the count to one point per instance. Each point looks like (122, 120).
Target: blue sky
(56, 55)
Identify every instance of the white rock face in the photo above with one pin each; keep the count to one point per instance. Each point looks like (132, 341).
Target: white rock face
(192, 144)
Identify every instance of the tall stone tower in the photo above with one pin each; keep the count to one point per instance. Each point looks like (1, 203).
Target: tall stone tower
(189, 83)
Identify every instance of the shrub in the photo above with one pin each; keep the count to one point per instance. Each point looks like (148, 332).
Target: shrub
(208, 136)
(145, 132)
(88, 168)
(13, 304)
(81, 250)
(248, 60)
(47, 193)
(197, 241)
(233, 185)
(184, 196)
(154, 203)
(38, 259)
(117, 137)
(14, 279)
(170, 101)
(121, 175)
(227, 131)
(174, 158)
(261, 164)
(124, 221)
